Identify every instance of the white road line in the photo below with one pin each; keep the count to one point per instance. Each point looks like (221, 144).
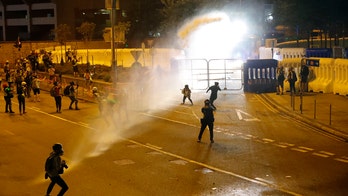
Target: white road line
(271, 185)
(305, 148)
(342, 160)
(167, 119)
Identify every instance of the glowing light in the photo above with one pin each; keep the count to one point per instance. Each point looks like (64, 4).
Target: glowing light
(212, 35)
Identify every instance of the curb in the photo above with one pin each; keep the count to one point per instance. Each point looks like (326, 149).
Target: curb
(325, 128)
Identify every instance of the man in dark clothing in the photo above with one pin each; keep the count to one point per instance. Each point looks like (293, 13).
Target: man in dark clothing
(207, 120)
(54, 168)
(292, 78)
(304, 77)
(21, 97)
(213, 96)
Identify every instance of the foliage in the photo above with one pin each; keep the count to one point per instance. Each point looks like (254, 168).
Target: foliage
(62, 33)
(86, 29)
(307, 15)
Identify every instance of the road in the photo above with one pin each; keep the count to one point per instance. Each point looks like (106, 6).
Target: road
(257, 150)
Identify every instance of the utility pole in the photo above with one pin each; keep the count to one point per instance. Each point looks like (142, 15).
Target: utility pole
(113, 47)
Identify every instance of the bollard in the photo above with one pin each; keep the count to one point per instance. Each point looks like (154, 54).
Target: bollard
(315, 108)
(301, 102)
(330, 114)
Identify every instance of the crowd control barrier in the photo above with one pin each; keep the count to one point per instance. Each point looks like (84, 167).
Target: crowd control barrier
(260, 75)
(324, 76)
(319, 52)
(341, 77)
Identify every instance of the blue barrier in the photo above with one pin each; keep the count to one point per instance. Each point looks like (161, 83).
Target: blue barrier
(319, 52)
(260, 76)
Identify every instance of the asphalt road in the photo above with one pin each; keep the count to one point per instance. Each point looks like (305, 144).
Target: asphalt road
(257, 150)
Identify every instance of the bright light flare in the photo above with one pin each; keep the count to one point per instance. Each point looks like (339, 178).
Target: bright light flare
(212, 35)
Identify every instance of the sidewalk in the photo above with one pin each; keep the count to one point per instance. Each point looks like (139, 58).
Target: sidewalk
(327, 112)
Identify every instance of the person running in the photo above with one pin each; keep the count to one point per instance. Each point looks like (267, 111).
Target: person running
(54, 166)
(187, 94)
(213, 96)
(207, 120)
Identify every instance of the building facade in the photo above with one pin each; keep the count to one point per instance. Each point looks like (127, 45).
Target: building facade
(35, 19)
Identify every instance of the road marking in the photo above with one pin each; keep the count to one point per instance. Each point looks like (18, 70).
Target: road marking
(240, 116)
(343, 159)
(267, 105)
(157, 147)
(7, 132)
(271, 185)
(167, 119)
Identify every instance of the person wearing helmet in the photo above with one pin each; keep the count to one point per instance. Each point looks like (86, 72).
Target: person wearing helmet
(21, 97)
(207, 120)
(186, 94)
(8, 95)
(97, 96)
(54, 166)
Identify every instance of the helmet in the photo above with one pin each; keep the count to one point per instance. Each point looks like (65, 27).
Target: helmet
(24, 83)
(57, 147)
(206, 101)
(94, 89)
(72, 83)
(4, 85)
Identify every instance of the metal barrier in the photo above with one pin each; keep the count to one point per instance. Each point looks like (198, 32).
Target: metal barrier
(260, 75)
(201, 73)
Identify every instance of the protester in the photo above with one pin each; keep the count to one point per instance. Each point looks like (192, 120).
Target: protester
(72, 95)
(187, 94)
(213, 96)
(54, 166)
(21, 97)
(207, 120)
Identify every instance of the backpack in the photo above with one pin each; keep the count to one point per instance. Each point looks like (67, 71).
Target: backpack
(53, 92)
(49, 163)
(67, 91)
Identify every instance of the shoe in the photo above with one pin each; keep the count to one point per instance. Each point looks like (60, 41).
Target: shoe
(11, 112)
(77, 108)
(211, 141)
(70, 108)
(198, 140)
(6, 111)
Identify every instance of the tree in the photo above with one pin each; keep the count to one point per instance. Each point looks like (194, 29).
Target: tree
(304, 16)
(62, 34)
(86, 29)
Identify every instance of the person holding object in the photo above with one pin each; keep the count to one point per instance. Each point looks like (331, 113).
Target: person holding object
(54, 166)
(187, 94)
(207, 120)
